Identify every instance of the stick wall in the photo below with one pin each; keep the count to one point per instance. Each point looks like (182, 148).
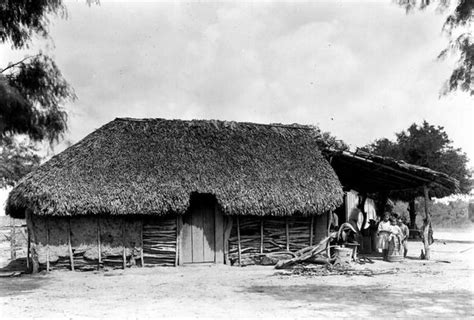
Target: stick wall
(273, 234)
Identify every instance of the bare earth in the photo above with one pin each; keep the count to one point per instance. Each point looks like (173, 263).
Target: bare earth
(442, 287)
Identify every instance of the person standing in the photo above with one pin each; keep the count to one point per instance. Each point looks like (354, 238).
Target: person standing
(383, 234)
(405, 235)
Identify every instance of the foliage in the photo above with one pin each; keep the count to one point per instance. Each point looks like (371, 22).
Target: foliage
(327, 141)
(459, 22)
(22, 19)
(17, 159)
(462, 77)
(429, 146)
(401, 209)
(32, 90)
(471, 211)
(451, 214)
(38, 91)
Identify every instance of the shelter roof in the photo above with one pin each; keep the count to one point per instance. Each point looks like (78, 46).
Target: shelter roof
(369, 173)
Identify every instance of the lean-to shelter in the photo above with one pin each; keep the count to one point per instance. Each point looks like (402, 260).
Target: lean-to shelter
(366, 177)
(170, 192)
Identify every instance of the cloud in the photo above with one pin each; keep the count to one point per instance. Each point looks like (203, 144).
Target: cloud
(361, 71)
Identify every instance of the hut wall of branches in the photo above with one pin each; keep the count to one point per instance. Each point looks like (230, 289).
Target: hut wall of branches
(253, 236)
(168, 192)
(94, 242)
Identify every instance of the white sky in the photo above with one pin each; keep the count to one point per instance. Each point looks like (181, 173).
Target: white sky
(360, 71)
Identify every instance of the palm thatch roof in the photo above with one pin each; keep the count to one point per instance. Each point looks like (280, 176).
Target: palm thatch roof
(151, 167)
(370, 173)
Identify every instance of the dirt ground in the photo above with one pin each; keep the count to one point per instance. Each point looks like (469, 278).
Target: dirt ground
(442, 287)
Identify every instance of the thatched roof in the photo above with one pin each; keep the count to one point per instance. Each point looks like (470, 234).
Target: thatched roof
(151, 166)
(370, 173)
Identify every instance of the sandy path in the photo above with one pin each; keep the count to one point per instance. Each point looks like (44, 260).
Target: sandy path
(419, 289)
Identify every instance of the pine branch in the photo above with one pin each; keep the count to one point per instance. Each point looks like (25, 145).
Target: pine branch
(16, 63)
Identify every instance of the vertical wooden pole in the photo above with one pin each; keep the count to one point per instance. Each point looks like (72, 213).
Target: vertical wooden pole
(229, 221)
(261, 235)
(287, 234)
(32, 242)
(177, 242)
(311, 231)
(124, 257)
(99, 245)
(238, 242)
(28, 249)
(426, 225)
(328, 223)
(142, 260)
(12, 239)
(412, 213)
(71, 256)
(47, 244)
(328, 248)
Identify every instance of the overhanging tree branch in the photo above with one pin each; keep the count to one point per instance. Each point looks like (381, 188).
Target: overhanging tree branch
(12, 65)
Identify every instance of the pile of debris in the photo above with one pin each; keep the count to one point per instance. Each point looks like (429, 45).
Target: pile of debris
(330, 256)
(317, 254)
(334, 250)
(309, 270)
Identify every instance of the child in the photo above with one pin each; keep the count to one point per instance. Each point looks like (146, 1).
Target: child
(395, 239)
(405, 234)
(394, 228)
(383, 232)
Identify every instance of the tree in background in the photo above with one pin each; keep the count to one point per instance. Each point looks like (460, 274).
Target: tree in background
(16, 160)
(326, 140)
(32, 90)
(428, 146)
(458, 27)
(451, 214)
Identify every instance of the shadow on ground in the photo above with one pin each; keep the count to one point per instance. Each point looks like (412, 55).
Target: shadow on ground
(17, 265)
(375, 300)
(444, 241)
(20, 285)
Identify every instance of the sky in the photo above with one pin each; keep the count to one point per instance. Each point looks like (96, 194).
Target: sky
(360, 70)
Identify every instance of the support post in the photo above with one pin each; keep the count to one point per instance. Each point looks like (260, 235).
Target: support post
(311, 231)
(12, 239)
(99, 245)
(229, 221)
(124, 257)
(28, 249)
(287, 234)
(177, 242)
(261, 235)
(142, 260)
(426, 225)
(32, 242)
(412, 212)
(328, 247)
(47, 245)
(238, 241)
(71, 256)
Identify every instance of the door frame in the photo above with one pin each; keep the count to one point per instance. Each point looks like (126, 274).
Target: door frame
(219, 237)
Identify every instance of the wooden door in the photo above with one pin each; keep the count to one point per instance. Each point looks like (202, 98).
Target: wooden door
(199, 231)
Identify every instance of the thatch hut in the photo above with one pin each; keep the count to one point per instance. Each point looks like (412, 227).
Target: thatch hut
(171, 192)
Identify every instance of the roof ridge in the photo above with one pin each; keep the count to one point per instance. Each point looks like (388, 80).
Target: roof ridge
(275, 125)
